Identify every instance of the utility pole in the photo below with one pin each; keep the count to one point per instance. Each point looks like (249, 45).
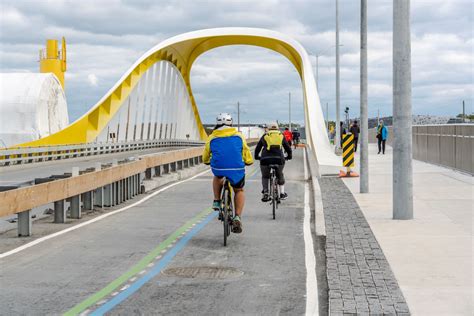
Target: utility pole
(364, 120)
(317, 71)
(238, 116)
(463, 112)
(289, 110)
(338, 127)
(402, 115)
(327, 114)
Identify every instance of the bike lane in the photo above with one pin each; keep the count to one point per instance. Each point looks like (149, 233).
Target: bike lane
(159, 234)
(261, 271)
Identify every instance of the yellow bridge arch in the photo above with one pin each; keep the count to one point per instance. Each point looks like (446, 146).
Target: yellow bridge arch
(182, 51)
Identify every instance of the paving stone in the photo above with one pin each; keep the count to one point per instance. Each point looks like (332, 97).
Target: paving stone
(359, 276)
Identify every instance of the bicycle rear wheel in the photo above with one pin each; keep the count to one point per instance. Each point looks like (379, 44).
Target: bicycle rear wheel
(274, 198)
(225, 214)
(230, 211)
(226, 225)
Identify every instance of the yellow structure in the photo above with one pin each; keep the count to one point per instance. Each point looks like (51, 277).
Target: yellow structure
(182, 53)
(52, 60)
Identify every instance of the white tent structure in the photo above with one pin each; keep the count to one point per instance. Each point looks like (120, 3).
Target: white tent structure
(32, 105)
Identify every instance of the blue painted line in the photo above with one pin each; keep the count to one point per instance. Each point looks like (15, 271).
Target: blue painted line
(135, 286)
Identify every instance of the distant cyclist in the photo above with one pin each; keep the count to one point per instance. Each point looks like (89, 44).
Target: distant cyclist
(296, 137)
(271, 146)
(228, 154)
(288, 135)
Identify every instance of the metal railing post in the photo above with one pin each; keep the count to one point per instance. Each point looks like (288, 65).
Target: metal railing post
(59, 212)
(75, 201)
(24, 223)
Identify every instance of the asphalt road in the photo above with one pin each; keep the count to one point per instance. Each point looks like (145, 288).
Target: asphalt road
(165, 256)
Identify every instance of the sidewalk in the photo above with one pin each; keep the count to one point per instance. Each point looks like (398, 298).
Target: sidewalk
(432, 255)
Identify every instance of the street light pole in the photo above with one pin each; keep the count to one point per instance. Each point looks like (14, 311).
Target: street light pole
(238, 116)
(289, 110)
(327, 115)
(338, 127)
(364, 120)
(402, 115)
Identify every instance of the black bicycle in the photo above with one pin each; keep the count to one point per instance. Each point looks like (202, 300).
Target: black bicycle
(274, 192)
(226, 213)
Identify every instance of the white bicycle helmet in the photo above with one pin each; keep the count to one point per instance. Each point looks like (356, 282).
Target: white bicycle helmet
(224, 119)
(272, 125)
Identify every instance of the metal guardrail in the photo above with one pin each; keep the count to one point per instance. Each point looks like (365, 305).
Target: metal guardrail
(103, 186)
(14, 156)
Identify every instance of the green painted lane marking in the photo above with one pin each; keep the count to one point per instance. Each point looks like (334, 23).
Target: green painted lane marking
(136, 268)
(253, 172)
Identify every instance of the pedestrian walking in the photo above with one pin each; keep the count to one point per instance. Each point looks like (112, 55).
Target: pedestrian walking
(382, 135)
(343, 131)
(355, 130)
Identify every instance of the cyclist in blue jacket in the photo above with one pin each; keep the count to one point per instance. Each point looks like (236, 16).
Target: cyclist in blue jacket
(228, 153)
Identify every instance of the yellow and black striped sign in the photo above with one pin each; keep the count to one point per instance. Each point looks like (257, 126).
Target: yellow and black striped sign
(348, 150)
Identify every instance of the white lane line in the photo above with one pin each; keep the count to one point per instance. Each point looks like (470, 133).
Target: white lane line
(312, 307)
(125, 287)
(98, 218)
(84, 313)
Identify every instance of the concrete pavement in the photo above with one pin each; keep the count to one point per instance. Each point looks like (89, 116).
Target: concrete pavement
(166, 256)
(432, 255)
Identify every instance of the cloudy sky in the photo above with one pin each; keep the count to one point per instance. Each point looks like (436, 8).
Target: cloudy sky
(106, 36)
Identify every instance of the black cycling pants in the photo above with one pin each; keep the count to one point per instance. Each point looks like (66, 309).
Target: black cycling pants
(381, 144)
(266, 176)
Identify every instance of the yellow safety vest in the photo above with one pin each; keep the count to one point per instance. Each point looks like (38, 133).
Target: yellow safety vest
(274, 139)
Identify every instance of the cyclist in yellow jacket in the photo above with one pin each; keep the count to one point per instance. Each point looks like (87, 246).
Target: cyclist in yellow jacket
(269, 151)
(228, 153)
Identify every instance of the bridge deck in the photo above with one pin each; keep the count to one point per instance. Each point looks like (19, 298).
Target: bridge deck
(267, 260)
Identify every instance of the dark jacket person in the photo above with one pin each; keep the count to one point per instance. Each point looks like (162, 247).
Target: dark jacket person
(271, 146)
(355, 130)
